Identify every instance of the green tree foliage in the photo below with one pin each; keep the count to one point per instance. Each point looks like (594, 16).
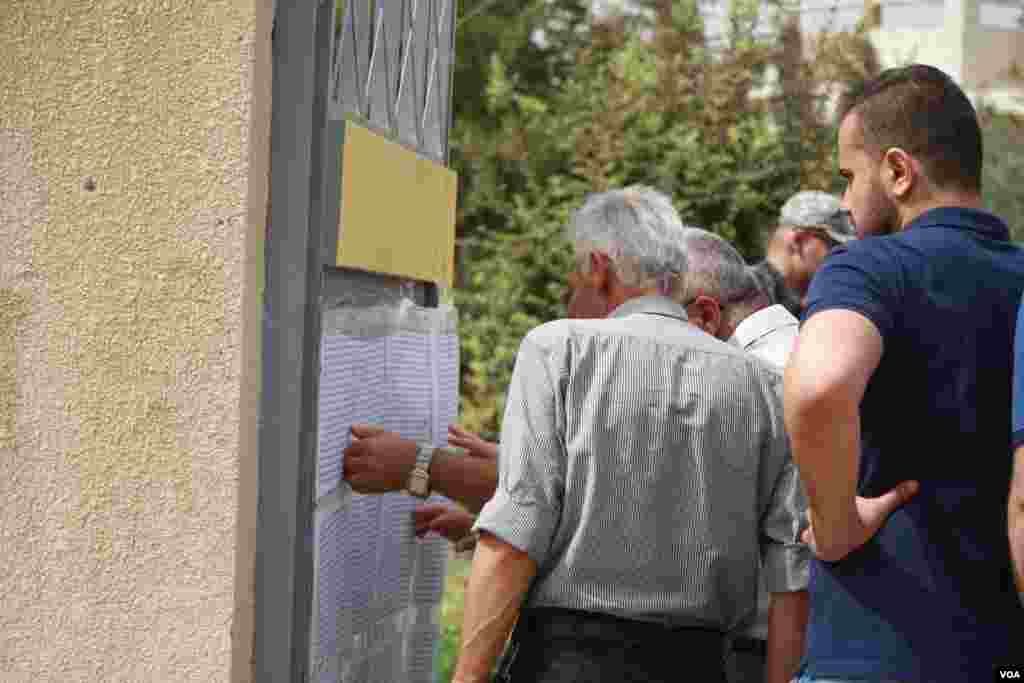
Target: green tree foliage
(553, 104)
(1002, 177)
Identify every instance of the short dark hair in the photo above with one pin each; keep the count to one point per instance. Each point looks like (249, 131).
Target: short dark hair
(920, 109)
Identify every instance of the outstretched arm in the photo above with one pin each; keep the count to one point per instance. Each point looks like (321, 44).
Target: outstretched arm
(378, 461)
(474, 445)
(449, 521)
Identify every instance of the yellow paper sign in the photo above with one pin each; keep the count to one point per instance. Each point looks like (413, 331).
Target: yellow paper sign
(397, 210)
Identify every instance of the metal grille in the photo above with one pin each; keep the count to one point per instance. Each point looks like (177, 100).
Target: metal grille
(391, 66)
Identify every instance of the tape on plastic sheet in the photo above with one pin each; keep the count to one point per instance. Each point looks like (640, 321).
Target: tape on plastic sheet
(384, 320)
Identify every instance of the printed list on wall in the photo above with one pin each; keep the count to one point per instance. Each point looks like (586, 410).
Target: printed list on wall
(377, 587)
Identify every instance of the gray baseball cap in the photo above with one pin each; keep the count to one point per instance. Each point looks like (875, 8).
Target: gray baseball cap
(815, 210)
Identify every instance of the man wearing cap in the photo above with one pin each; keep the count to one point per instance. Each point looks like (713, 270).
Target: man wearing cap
(811, 223)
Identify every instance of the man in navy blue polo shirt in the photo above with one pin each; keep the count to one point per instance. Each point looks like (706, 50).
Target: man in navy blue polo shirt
(897, 402)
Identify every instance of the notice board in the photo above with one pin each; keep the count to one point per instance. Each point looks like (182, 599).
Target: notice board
(377, 588)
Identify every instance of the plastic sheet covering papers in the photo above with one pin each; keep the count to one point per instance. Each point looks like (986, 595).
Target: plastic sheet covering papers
(378, 588)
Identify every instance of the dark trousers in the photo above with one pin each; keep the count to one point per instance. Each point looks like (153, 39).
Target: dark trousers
(565, 646)
(746, 663)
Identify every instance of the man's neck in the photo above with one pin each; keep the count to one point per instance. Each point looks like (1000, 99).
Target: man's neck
(621, 294)
(940, 200)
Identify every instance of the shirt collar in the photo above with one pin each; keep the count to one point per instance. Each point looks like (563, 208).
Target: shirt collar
(983, 222)
(652, 304)
(765, 321)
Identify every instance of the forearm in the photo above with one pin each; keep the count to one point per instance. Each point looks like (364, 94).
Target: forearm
(825, 441)
(470, 481)
(1015, 513)
(787, 625)
(498, 582)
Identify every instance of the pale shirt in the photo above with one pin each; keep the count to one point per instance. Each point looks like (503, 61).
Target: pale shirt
(768, 335)
(642, 464)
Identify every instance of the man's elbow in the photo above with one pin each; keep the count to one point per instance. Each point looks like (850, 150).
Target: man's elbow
(808, 398)
(503, 550)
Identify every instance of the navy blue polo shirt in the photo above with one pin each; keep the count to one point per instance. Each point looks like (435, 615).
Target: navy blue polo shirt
(931, 597)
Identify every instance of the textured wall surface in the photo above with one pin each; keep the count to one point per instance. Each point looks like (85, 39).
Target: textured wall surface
(133, 156)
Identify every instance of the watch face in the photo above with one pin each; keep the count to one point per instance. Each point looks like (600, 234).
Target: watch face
(418, 484)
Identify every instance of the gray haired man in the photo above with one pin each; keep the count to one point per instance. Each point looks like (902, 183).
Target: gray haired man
(721, 298)
(811, 224)
(639, 469)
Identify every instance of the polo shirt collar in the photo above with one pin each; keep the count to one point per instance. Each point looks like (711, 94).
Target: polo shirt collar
(982, 222)
(761, 323)
(652, 304)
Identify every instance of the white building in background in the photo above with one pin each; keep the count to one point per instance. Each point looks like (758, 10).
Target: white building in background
(980, 43)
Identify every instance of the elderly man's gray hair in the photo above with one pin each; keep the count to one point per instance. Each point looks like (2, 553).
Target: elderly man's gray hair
(718, 271)
(639, 230)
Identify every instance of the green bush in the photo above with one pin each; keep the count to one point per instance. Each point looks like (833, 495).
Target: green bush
(451, 619)
(1003, 172)
(626, 100)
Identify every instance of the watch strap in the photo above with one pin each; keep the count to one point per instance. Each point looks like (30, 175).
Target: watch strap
(419, 478)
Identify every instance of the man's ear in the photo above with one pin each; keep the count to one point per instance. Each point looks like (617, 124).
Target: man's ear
(799, 240)
(792, 240)
(899, 172)
(601, 271)
(705, 313)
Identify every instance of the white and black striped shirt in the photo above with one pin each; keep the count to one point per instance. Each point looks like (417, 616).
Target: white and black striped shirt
(770, 335)
(642, 464)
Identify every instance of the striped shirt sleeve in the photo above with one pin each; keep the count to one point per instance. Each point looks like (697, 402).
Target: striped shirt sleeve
(786, 560)
(526, 506)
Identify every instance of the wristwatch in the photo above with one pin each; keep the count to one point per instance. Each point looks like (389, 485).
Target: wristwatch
(419, 478)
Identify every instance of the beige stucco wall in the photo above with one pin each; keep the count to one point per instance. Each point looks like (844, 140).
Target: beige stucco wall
(133, 158)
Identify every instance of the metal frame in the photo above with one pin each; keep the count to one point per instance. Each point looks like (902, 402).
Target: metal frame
(287, 440)
(306, 134)
(393, 76)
